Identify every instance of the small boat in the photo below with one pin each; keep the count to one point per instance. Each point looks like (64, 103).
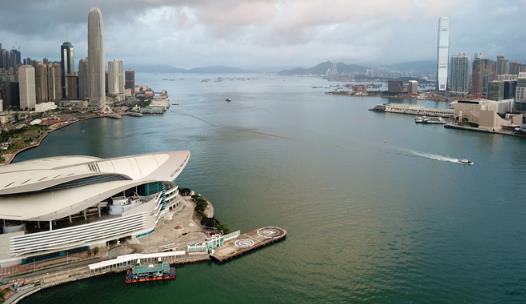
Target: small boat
(175, 104)
(151, 272)
(465, 161)
(228, 100)
(419, 119)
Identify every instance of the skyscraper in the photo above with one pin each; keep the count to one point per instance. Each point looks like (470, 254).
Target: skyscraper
(459, 82)
(503, 66)
(83, 79)
(67, 63)
(26, 79)
(483, 72)
(41, 82)
(54, 76)
(15, 58)
(130, 80)
(116, 79)
(97, 75)
(442, 54)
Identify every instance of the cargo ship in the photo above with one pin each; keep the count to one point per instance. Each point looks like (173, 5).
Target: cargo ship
(151, 272)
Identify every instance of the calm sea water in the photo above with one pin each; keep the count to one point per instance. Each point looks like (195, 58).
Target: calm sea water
(376, 209)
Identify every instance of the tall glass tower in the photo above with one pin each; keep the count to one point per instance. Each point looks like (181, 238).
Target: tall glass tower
(96, 73)
(442, 54)
(67, 63)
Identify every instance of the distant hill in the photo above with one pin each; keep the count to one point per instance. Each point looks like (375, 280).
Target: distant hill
(207, 69)
(321, 69)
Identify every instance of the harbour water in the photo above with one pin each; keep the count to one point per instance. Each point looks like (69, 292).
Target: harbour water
(376, 208)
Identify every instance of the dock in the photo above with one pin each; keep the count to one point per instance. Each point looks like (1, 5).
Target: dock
(248, 242)
(413, 110)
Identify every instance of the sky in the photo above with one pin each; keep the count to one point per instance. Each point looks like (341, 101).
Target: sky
(259, 34)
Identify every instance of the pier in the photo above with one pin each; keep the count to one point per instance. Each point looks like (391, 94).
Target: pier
(248, 242)
(413, 110)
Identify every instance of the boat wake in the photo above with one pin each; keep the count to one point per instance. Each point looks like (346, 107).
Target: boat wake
(435, 157)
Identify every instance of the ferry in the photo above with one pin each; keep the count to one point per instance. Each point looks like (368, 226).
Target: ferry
(151, 272)
(429, 120)
(466, 161)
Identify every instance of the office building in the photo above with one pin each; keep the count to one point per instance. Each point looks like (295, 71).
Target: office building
(97, 79)
(51, 205)
(130, 80)
(483, 72)
(516, 68)
(67, 64)
(443, 54)
(395, 86)
(116, 79)
(510, 88)
(412, 87)
(503, 66)
(520, 93)
(26, 80)
(459, 82)
(496, 90)
(83, 79)
(10, 95)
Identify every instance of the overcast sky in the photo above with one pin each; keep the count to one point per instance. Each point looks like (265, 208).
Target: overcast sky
(266, 33)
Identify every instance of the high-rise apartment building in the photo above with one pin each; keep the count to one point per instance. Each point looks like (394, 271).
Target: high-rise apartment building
(26, 80)
(459, 81)
(72, 91)
(41, 82)
(67, 64)
(54, 78)
(442, 54)
(503, 66)
(97, 79)
(482, 73)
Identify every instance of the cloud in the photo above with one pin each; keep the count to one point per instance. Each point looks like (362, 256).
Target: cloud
(266, 32)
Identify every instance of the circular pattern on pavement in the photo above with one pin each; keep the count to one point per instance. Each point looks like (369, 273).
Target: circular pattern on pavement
(244, 243)
(270, 232)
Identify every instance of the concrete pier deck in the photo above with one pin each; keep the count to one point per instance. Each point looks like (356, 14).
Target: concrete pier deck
(410, 109)
(247, 242)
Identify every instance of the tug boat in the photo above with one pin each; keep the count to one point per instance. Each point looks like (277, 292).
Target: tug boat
(151, 272)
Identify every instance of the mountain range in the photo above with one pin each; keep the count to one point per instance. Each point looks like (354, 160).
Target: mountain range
(216, 69)
(414, 67)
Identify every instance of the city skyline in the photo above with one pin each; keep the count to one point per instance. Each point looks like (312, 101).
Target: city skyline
(180, 33)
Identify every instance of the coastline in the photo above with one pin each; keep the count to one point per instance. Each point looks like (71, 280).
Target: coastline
(11, 156)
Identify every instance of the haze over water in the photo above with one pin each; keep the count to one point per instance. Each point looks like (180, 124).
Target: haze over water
(376, 208)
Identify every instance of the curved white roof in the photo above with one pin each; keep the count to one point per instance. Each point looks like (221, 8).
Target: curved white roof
(42, 189)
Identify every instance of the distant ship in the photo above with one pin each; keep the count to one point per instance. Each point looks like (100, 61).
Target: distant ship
(228, 100)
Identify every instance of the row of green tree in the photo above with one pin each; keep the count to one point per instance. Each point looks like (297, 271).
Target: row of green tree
(209, 222)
